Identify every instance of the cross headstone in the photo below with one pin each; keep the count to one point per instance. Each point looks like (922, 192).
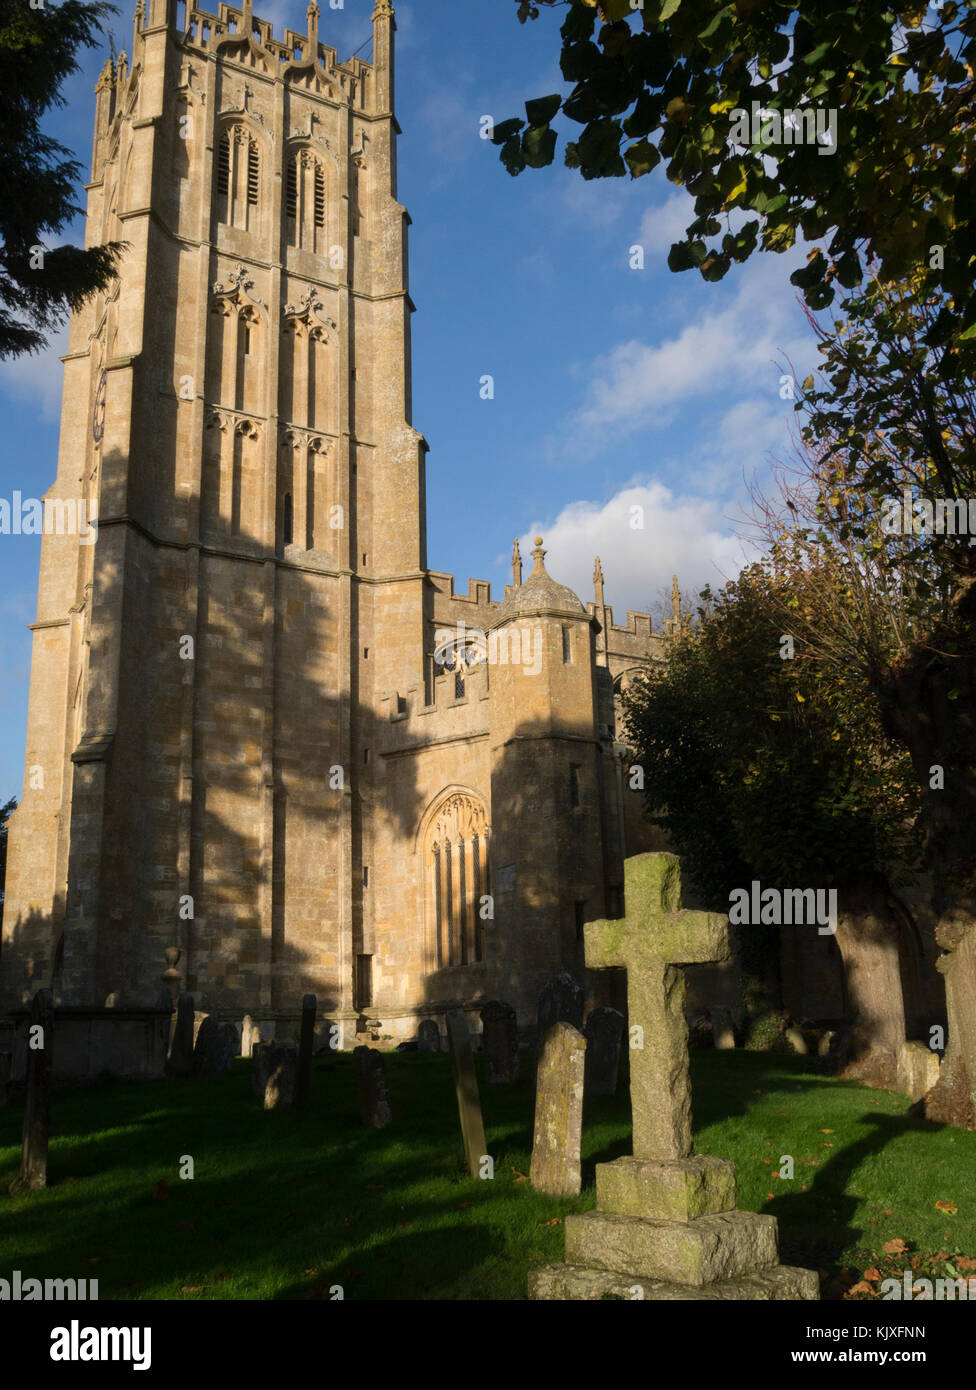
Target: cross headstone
(37, 1109)
(374, 1098)
(558, 1129)
(603, 1031)
(306, 1045)
(466, 1086)
(561, 1001)
(428, 1035)
(653, 942)
(499, 1043)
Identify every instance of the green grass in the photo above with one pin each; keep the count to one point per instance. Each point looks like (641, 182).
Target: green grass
(283, 1206)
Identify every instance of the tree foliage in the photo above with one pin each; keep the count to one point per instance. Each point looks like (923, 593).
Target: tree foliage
(38, 50)
(660, 84)
(760, 766)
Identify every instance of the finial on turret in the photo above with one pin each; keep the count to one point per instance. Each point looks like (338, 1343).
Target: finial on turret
(383, 10)
(138, 19)
(598, 582)
(538, 555)
(516, 564)
(312, 15)
(676, 600)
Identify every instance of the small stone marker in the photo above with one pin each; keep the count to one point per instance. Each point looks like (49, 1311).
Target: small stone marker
(428, 1035)
(306, 1045)
(37, 1109)
(466, 1087)
(499, 1043)
(215, 1048)
(666, 1225)
(248, 1038)
(603, 1032)
(559, 1112)
(374, 1098)
(561, 1001)
(273, 1070)
(722, 1031)
(180, 1061)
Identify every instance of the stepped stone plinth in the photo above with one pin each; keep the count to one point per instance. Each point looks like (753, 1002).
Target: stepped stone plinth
(666, 1226)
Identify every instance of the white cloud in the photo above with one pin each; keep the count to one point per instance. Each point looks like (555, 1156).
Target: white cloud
(597, 203)
(663, 225)
(682, 535)
(639, 385)
(37, 377)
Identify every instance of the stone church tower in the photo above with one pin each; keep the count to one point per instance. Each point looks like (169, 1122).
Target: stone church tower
(261, 730)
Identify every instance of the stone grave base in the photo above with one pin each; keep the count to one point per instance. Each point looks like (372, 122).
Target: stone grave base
(669, 1230)
(576, 1283)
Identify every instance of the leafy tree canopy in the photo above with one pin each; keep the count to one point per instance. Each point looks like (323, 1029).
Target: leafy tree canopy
(660, 81)
(38, 51)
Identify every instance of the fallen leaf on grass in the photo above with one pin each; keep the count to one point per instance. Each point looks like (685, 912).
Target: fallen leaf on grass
(309, 1273)
(766, 1160)
(860, 1288)
(826, 1131)
(556, 1221)
(770, 1196)
(894, 1247)
(190, 1288)
(964, 1262)
(872, 1273)
(161, 1190)
(826, 1146)
(949, 1208)
(519, 1177)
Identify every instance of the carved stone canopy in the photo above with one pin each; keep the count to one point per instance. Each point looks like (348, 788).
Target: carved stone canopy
(238, 290)
(459, 819)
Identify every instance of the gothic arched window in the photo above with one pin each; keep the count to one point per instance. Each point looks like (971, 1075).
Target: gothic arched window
(458, 875)
(305, 202)
(238, 178)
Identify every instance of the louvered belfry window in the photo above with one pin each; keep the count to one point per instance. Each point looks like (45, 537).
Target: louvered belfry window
(306, 201)
(319, 196)
(223, 164)
(291, 191)
(253, 174)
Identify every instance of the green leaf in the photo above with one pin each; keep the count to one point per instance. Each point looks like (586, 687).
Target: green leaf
(542, 109)
(669, 8)
(506, 130)
(641, 158)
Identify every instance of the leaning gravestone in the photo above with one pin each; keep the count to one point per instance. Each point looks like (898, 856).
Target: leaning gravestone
(499, 1043)
(215, 1048)
(561, 1001)
(466, 1088)
(273, 1070)
(37, 1109)
(559, 1113)
(723, 1034)
(180, 1059)
(374, 1098)
(666, 1225)
(603, 1031)
(248, 1038)
(428, 1036)
(306, 1045)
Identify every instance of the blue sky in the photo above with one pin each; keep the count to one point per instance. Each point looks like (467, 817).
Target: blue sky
(613, 387)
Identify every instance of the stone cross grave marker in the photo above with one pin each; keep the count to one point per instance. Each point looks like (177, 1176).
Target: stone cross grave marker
(666, 1226)
(654, 941)
(305, 1047)
(558, 1127)
(466, 1086)
(37, 1108)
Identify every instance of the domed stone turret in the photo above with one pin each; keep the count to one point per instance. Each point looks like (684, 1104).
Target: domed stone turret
(539, 594)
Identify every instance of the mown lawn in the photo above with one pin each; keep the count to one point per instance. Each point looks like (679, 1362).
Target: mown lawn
(282, 1206)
